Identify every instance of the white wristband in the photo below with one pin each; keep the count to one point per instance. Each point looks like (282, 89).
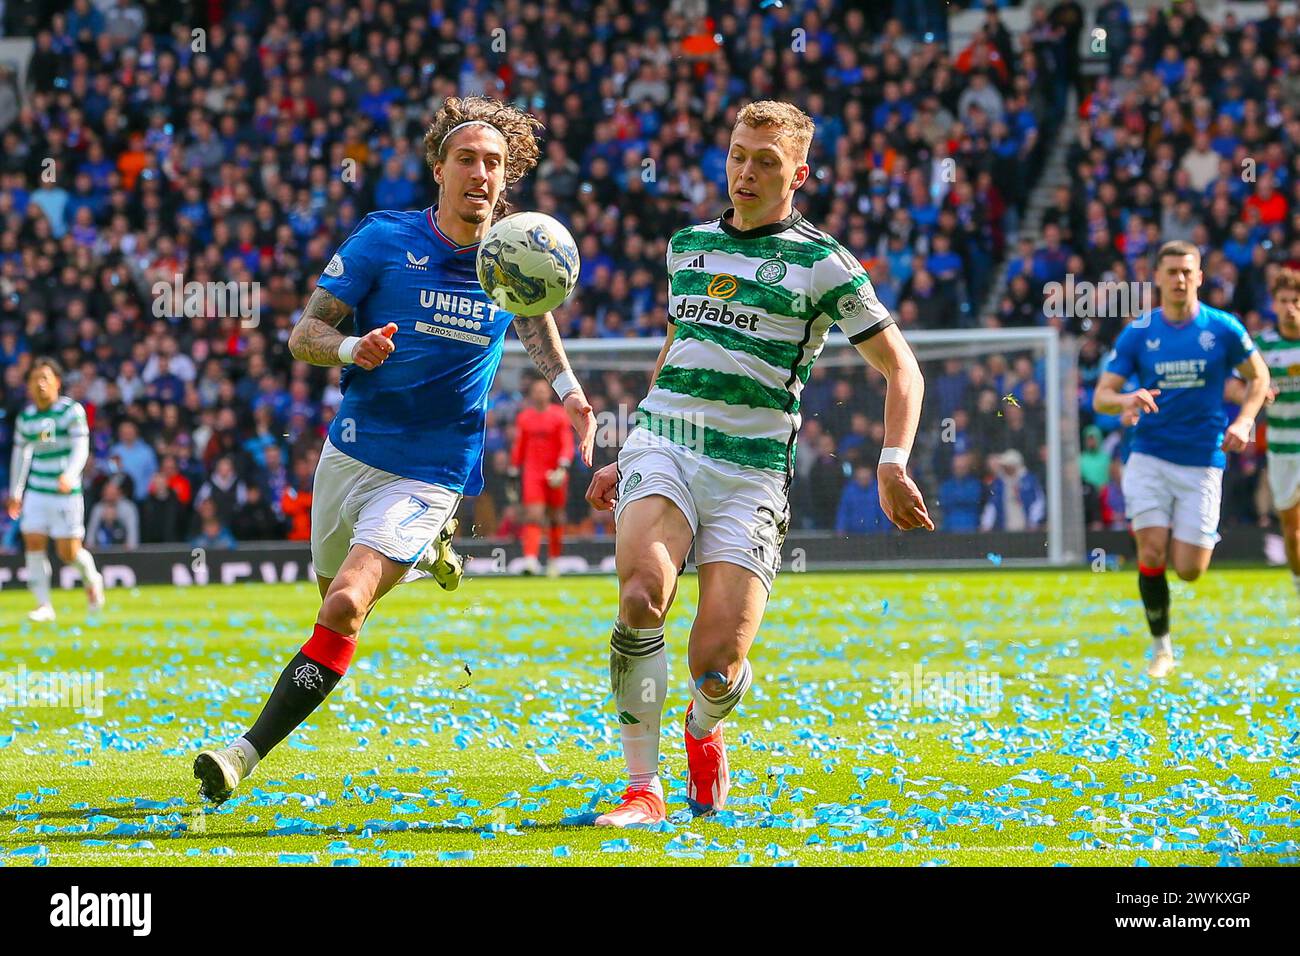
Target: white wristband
(565, 384)
(893, 456)
(347, 347)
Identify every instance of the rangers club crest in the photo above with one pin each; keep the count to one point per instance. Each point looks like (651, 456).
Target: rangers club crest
(1206, 340)
(308, 677)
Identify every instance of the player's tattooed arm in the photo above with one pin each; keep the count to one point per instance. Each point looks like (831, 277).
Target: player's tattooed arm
(541, 340)
(316, 337)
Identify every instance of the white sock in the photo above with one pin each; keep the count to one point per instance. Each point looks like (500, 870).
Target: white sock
(85, 562)
(708, 711)
(1162, 645)
(638, 677)
(38, 576)
(250, 754)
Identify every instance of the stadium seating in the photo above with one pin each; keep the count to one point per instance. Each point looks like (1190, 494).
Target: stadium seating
(1191, 134)
(216, 155)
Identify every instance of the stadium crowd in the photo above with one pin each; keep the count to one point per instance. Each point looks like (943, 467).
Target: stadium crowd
(1192, 134)
(240, 141)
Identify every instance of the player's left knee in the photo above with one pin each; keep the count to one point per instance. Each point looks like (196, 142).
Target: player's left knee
(67, 550)
(344, 610)
(1189, 574)
(718, 676)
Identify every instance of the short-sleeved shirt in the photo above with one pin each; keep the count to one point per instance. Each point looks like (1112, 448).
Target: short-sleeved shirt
(1282, 356)
(52, 433)
(1189, 363)
(422, 413)
(752, 310)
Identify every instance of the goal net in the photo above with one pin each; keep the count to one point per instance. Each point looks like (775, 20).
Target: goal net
(995, 454)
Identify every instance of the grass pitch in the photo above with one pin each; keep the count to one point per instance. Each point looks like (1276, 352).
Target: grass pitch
(1000, 718)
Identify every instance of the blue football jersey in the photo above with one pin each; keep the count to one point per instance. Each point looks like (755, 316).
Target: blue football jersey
(422, 413)
(1189, 363)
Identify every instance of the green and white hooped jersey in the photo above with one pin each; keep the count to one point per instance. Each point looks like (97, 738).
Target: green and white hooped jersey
(52, 433)
(751, 311)
(1283, 359)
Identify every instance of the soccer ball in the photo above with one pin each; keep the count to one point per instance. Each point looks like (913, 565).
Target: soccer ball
(528, 263)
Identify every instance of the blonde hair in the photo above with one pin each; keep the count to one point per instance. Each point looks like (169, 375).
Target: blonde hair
(792, 124)
(517, 128)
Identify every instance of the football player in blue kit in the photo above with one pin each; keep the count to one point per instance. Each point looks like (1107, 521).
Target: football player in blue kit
(407, 441)
(1182, 354)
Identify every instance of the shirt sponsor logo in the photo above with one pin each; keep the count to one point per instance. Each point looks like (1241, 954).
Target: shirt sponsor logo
(1181, 366)
(457, 334)
(458, 321)
(452, 304)
(1181, 373)
(707, 311)
(722, 286)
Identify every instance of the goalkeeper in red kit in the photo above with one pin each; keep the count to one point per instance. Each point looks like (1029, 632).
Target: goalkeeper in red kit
(542, 452)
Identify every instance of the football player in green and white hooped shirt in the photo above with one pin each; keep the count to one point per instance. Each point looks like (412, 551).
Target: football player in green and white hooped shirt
(1281, 351)
(51, 446)
(752, 297)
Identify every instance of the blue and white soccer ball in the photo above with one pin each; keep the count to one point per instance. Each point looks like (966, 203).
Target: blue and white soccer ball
(528, 263)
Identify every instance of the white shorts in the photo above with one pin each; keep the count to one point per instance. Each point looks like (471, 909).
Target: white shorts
(55, 516)
(353, 503)
(1160, 494)
(738, 515)
(1284, 480)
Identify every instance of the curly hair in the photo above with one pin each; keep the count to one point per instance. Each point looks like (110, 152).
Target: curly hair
(1284, 279)
(517, 127)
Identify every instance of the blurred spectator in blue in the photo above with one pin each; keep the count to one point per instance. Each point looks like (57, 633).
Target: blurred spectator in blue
(961, 496)
(209, 531)
(114, 521)
(134, 457)
(860, 511)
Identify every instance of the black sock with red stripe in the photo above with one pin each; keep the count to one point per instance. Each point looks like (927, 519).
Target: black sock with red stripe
(305, 683)
(1154, 588)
